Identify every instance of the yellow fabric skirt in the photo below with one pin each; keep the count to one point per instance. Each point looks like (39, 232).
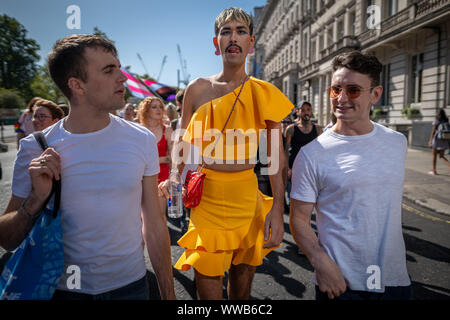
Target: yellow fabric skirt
(227, 227)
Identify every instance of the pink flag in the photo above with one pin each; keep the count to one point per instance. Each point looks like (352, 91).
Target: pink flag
(137, 89)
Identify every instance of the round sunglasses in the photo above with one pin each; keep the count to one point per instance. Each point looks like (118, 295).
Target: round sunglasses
(351, 91)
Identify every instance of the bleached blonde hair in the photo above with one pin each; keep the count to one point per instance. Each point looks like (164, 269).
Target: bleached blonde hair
(233, 14)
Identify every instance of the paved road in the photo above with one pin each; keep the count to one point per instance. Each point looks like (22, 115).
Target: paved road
(285, 274)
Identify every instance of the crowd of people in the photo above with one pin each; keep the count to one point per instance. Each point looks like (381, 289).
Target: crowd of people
(115, 173)
(39, 115)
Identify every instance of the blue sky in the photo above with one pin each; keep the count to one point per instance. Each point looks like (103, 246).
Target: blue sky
(148, 27)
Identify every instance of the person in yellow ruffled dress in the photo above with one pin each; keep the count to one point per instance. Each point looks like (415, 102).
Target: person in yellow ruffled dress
(235, 226)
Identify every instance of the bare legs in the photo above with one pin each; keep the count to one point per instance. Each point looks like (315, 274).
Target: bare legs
(240, 281)
(239, 284)
(441, 156)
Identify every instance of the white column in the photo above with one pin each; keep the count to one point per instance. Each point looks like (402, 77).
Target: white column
(320, 106)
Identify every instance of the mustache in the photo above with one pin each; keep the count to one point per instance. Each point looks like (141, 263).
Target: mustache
(233, 45)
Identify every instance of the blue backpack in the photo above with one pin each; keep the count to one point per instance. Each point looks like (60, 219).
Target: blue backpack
(34, 270)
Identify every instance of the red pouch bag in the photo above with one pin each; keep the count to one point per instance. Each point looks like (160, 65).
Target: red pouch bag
(194, 187)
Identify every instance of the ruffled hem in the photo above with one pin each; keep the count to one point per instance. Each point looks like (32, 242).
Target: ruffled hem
(211, 251)
(213, 240)
(201, 261)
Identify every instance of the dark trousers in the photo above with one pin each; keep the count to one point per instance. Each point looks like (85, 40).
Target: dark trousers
(137, 290)
(390, 293)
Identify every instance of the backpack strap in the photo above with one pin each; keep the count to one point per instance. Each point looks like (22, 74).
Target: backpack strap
(56, 188)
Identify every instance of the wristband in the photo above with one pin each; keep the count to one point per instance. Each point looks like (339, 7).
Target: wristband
(26, 213)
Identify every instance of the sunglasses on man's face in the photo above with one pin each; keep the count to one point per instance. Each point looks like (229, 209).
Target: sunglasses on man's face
(351, 91)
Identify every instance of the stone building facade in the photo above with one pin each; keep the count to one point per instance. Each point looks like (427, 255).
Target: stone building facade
(297, 40)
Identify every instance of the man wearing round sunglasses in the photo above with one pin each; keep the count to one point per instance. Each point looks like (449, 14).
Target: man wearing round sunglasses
(353, 175)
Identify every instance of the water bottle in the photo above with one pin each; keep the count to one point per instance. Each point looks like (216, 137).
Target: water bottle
(175, 202)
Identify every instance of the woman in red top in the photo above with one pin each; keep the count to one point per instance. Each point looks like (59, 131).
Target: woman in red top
(150, 115)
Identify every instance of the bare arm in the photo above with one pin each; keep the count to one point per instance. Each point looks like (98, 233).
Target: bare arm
(319, 129)
(156, 236)
(433, 132)
(20, 135)
(20, 213)
(329, 276)
(178, 156)
(274, 224)
(168, 135)
(288, 134)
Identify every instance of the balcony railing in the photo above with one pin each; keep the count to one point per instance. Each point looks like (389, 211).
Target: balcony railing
(402, 19)
(427, 6)
(368, 36)
(345, 42)
(398, 20)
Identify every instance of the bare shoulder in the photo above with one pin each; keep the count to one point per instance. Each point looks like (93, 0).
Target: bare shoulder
(196, 86)
(290, 129)
(199, 92)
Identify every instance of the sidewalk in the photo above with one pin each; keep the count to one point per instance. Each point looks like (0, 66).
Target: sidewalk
(429, 191)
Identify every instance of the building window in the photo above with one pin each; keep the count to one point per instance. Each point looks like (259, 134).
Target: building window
(305, 7)
(305, 46)
(340, 29)
(313, 7)
(385, 82)
(330, 37)
(351, 21)
(364, 14)
(416, 78)
(313, 50)
(296, 50)
(392, 7)
(322, 4)
(295, 93)
(321, 42)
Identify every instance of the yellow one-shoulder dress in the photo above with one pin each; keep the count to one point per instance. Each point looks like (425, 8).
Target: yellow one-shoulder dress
(227, 227)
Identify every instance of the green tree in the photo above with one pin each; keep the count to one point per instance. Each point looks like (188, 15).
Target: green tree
(147, 77)
(100, 33)
(18, 56)
(10, 99)
(43, 86)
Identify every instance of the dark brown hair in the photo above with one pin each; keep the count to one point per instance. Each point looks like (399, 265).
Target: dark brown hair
(66, 60)
(363, 63)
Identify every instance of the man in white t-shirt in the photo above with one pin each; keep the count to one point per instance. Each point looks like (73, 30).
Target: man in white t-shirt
(108, 167)
(353, 174)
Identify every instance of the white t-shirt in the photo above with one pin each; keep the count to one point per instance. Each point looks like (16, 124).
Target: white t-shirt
(357, 183)
(101, 192)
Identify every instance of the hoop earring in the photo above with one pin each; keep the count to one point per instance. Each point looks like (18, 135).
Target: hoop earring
(251, 50)
(217, 53)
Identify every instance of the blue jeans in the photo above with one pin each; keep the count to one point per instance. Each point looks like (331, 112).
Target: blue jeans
(390, 293)
(138, 290)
